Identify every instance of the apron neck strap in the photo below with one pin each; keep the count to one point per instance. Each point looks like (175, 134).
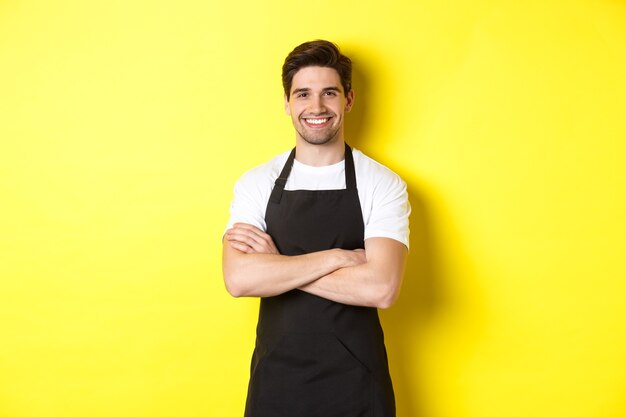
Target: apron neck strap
(279, 184)
(281, 181)
(349, 170)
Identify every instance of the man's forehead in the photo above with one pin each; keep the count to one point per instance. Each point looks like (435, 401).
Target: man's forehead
(316, 77)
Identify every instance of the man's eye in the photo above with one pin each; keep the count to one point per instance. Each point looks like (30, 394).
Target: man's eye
(331, 93)
(301, 95)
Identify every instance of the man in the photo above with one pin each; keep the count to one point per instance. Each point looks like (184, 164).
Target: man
(321, 253)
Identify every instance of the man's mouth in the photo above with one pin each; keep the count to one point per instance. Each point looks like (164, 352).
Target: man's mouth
(316, 121)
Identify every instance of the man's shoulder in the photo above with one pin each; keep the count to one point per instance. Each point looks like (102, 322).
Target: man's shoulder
(373, 171)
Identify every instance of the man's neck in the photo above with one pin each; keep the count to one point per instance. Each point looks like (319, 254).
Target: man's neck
(320, 155)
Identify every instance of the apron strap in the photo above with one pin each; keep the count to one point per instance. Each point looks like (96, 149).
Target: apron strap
(349, 169)
(281, 181)
(279, 184)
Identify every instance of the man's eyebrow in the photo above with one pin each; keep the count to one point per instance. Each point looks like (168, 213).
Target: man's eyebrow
(306, 90)
(300, 90)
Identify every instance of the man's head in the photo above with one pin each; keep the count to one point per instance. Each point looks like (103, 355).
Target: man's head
(317, 79)
(319, 53)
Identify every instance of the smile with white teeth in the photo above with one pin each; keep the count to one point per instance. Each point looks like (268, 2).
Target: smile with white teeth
(317, 121)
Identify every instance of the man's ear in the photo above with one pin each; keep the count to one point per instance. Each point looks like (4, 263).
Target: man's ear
(349, 100)
(287, 109)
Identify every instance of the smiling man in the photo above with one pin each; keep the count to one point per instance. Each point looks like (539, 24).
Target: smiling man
(320, 233)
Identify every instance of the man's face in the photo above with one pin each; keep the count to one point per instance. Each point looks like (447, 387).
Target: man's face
(317, 104)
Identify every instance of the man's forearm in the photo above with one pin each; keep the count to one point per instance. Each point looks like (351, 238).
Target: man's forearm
(358, 285)
(265, 275)
(253, 267)
(375, 283)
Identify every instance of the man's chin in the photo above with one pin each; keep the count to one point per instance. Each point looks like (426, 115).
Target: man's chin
(319, 140)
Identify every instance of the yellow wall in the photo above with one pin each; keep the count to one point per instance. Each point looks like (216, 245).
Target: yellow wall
(124, 124)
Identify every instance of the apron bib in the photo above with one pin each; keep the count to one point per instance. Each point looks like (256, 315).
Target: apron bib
(315, 357)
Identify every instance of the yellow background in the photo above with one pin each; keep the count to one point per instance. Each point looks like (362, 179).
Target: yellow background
(124, 125)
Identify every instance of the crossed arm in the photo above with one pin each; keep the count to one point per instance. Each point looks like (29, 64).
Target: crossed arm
(253, 267)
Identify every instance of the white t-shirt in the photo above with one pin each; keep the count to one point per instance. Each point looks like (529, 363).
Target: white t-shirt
(382, 193)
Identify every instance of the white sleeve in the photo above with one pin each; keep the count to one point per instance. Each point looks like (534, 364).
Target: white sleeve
(390, 210)
(252, 192)
(245, 208)
(249, 202)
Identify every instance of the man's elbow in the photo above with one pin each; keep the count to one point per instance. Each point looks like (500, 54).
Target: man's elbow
(234, 285)
(235, 273)
(385, 301)
(233, 289)
(387, 296)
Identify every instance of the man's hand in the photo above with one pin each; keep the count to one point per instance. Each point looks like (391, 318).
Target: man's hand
(352, 257)
(250, 239)
(253, 266)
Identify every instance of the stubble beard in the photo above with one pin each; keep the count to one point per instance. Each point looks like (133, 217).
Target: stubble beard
(318, 138)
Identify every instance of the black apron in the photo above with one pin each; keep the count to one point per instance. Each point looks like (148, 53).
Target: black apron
(315, 357)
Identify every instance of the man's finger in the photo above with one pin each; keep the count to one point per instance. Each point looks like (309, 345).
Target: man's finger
(242, 247)
(251, 228)
(258, 233)
(245, 238)
(240, 231)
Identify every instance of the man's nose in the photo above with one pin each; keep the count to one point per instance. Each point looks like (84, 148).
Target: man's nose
(317, 105)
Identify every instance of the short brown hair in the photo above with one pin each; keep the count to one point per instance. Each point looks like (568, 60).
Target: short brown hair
(318, 53)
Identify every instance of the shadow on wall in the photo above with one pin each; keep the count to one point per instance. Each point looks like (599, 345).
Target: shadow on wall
(406, 321)
(356, 121)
